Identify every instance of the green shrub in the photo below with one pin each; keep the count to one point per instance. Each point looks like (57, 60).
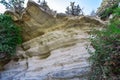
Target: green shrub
(106, 58)
(108, 11)
(9, 36)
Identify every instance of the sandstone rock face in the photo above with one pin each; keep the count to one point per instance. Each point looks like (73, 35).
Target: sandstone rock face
(33, 21)
(36, 22)
(61, 56)
(58, 54)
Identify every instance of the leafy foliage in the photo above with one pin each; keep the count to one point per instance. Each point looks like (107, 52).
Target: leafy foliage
(16, 5)
(44, 5)
(9, 36)
(93, 13)
(110, 10)
(74, 10)
(106, 58)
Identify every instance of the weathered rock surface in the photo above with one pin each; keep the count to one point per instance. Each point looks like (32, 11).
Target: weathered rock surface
(63, 56)
(34, 21)
(58, 54)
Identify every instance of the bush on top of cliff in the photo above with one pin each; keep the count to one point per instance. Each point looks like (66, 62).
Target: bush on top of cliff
(9, 36)
(108, 11)
(106, 58)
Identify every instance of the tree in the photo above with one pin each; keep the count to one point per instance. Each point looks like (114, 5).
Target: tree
(16, 5)
(73, 10)
(39, 1)
(93, 13)
(68, 11)
(44, 5)
(72, 7)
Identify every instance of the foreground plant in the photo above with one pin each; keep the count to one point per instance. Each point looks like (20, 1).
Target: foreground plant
(9, 36)
(106, 58)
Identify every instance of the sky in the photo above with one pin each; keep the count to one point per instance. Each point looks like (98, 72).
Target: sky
(60, 5)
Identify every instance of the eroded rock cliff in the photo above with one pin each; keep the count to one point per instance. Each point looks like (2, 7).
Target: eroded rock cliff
(34, 21)
(53, 48)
